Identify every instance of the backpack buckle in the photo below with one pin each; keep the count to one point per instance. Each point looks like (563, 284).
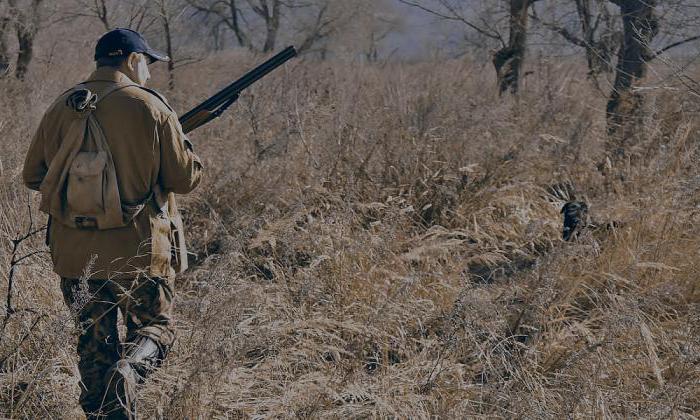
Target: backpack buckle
(85, 222)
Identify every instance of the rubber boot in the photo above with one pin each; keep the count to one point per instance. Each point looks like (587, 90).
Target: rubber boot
(144, 355)
(140, 358)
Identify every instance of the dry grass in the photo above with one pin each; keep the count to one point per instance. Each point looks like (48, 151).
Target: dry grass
(381, 242)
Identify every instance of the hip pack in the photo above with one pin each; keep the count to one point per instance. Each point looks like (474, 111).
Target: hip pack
(80, 188)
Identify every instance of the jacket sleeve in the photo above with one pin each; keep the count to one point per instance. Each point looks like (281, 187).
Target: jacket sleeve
(35, 166)
(180, 168)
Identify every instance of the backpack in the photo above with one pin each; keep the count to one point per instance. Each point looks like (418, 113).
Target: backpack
(80, 188)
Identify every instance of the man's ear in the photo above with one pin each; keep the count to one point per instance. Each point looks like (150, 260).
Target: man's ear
(132, 61)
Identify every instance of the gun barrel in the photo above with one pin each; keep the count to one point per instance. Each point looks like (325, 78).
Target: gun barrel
(245, 81)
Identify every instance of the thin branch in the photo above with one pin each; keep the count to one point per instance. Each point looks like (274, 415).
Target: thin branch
(676, 44)
(188, 61)
(24, 257)
(454, 17)
(29, 233)
(565, 33)
(14, 263)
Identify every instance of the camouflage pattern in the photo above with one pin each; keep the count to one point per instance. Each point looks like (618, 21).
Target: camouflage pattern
(145, 305)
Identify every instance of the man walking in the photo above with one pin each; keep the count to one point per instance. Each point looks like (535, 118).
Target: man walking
(107, 157)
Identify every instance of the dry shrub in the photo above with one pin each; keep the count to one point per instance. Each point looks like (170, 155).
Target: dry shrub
(384, 242)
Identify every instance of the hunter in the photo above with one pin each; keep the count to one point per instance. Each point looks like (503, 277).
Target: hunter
(108, 157)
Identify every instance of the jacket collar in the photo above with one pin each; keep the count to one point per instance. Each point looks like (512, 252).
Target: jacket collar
(108, 74)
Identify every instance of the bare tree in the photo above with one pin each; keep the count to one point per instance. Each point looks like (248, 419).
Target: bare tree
(259, 25)
(595, 31)
(217, 36)
(641, 25)
(456, 11)
(228, 13)
(98, 9)
(165, 20)
(4, 47)
(133, 14)
(157, 19)
(167, 13)
(321, 27)
(239, 16)
(508, 61)
(599, 36)
(376, 34)
(380, 25)
(25, 19)
(358, 27)
(509, 58)
(269, 12)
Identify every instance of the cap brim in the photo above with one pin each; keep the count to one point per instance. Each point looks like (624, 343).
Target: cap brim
(156, 56)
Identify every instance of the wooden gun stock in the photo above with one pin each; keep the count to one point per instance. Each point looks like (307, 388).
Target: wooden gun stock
(196, 120)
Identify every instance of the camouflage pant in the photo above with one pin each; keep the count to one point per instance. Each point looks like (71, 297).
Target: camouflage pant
(145, 305)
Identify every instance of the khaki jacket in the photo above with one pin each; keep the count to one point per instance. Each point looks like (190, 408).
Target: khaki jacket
(149, 151)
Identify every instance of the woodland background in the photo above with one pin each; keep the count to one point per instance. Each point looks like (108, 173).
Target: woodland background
(378, 233)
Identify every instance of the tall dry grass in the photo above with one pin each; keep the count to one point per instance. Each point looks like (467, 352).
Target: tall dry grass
(384, 241)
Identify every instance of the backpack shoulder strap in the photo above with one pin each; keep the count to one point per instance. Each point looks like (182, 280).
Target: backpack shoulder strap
(118, 86)
(156, 94)
(110, 90)
(91, 99)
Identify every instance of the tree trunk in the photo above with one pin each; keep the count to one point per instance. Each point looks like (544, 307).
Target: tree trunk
(26, 27)
(272, 21)
(583, 8)
(599, 52)
(165, 19)
(640, 27)
(509, 59)
(4, 48)
(372, 53)
(320, 30)
(235, 25)
(216, 37)
(102, 15)
(25, 37)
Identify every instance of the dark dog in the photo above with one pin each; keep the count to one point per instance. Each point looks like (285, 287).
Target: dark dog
(575, 218)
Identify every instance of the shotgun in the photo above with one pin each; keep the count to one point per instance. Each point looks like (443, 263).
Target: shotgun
(213, 107)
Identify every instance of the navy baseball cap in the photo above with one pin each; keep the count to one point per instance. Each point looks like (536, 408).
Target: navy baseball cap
(121, 42)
